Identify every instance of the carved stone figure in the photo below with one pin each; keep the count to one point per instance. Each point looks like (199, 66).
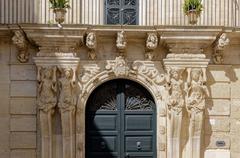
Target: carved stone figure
(195, 104)
(121, 42)
(219, 48)
(118, 66)
(22, 46)
(91, 43)
(175, 104)
(152, 41)
(46, 101)
(67, 105)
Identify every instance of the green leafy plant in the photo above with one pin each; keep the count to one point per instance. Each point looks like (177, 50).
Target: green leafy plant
(59, 4)
(192, 5)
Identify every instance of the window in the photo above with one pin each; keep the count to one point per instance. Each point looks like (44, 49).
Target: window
(121, 12)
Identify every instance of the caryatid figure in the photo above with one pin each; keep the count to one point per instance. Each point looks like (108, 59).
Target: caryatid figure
(46, 101)
(175, 104)
(195, 104)
(67, 106)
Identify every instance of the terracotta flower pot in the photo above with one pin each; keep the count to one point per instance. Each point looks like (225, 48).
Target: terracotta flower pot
(59, 14)
(192, 17)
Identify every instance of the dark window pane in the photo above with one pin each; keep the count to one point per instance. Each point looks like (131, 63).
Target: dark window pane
(130, 2)
(113, 16)
(113, 2)
(129, 16)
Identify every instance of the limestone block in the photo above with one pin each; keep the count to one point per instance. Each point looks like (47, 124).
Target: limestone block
(23, 106)
(23, 140)
(4, 73)
(210, 140)
(23, 89)
(235, 90)
(4, 53)
(235, 154)
(219, 73)
(23, 153)
(217, 124)
(216, 107)
(235, 108)
(236, 70)
(23, 123)
(220, 90)
(235, 126)
(217, 154)
(235, 143)
(23, 72)
(4, 153)
(4, 90)
(4, 132)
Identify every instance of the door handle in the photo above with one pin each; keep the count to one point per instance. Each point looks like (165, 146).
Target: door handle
(127, 155)
(139, 146)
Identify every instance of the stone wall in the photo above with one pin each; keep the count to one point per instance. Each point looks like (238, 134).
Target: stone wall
(18, 123)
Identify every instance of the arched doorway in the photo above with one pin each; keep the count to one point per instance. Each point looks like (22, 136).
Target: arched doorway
(120, 121)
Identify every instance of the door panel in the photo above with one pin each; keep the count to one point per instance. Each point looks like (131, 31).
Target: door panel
(120, 122)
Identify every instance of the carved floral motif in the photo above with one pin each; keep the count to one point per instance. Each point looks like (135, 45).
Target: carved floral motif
(119, 66)
(22, 46)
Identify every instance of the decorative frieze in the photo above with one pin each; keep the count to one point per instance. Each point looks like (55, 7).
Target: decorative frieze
(22, 45)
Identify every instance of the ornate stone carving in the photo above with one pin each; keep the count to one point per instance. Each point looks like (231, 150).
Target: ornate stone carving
(219, 48)
(195, 104)
(22, 46)
(162, 130)
(119, 66)
(121, 42)
(46, 101)
(90, 70)
(67, 104)
(148, 69)
(137, 103)
(91, 43)
(175, 104)
(151, 44)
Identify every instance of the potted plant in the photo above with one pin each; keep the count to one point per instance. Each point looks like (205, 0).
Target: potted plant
(59, 8)
(193, 9)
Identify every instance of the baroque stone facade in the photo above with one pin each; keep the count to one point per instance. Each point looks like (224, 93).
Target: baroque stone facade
(195, 92)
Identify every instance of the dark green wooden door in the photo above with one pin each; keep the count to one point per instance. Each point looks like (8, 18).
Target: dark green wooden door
(120, 122)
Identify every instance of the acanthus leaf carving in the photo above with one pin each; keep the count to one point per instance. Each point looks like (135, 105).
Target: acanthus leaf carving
(22, 45)
(148, 69)
(119, 66)
(221, 43)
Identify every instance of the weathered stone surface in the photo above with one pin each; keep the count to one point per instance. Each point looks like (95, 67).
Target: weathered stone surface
(4, 71)
(23, 89)
(220, 90)
(210, 140)
(235, 143)
(235, 154)
(23, 106)
(217, 107)
(235, 127)
(235, 108)
(217, 124)
(220, 73)
(217, 154)
(23, 72)
(23, 153)
(235, 90)
(23, 123)
(23, 140)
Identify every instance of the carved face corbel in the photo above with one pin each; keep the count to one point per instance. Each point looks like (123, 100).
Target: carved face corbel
(121, 42)
(220, 44)
(151, 44)
(91, 43)
(22, 45)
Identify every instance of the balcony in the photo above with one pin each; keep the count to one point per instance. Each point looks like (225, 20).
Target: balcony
(151, 12)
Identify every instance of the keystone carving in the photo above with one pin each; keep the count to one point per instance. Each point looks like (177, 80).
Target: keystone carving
(46, 101)
(22, 46)
(119, 66)
(121, 42)
(91, 43)
(219, 48)
(151, 44)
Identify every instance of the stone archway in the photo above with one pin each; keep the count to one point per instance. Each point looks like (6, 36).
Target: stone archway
(143, 72)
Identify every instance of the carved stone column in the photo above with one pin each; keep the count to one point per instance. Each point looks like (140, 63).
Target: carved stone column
(195, 92)
(46, 102)
(64, 96)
